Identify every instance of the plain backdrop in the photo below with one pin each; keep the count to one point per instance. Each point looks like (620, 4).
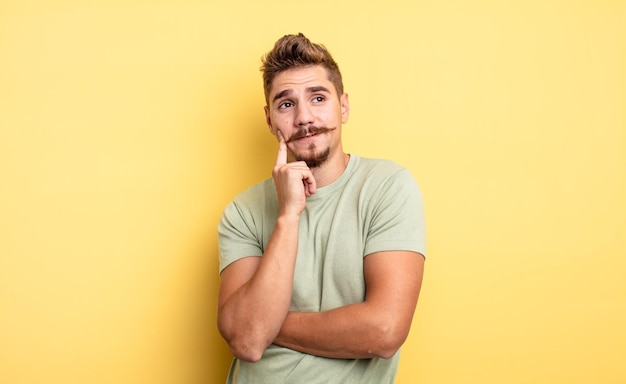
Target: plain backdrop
(127, 125)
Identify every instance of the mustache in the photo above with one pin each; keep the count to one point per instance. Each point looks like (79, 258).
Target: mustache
(311, 130)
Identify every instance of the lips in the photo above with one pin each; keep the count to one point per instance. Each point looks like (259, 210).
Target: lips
(307, 136)
(308, 133)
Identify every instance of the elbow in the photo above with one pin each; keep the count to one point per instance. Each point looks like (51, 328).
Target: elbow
(243, 347)
(245, 352)
(388, 338)
(387, 351)
(245, 343)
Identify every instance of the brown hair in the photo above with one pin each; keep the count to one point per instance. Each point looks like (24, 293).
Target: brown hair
(293, 51)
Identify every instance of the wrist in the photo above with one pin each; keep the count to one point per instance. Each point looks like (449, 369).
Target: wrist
(288, 219)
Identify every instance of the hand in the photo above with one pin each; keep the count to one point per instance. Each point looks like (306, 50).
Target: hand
(294, 181)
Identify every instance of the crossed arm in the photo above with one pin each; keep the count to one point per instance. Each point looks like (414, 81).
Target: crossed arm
(255, 292)
(377, 327)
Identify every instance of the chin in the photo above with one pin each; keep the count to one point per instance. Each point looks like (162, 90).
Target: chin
(316, 160)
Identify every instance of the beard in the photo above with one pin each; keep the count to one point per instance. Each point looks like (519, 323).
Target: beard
(315, 159)
(312, 158)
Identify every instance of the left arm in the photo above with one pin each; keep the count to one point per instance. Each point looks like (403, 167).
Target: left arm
(376, 327)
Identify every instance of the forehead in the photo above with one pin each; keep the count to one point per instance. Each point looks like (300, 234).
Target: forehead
(301, 78)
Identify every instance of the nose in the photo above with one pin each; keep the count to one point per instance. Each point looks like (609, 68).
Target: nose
(304, 116)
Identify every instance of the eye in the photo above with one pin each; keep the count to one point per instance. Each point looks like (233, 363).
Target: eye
(286, 104)
(318, 99)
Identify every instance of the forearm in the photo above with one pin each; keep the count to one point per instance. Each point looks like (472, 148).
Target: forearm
(251, 317)
(376, 327)
(354, 331)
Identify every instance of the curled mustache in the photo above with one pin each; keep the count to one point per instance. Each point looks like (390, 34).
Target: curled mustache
(311, 130)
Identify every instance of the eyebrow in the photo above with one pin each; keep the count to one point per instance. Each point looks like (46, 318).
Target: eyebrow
(281, 94)
(287, 92)
(318, 88)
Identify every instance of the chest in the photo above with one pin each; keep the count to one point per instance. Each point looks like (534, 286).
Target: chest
(329, 264)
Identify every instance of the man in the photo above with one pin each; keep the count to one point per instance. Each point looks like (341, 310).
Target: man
(321, 265)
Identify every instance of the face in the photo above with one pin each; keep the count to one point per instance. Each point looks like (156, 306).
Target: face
(305, 108)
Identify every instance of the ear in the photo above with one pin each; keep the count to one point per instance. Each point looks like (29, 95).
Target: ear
(345, 107)
(268, 120)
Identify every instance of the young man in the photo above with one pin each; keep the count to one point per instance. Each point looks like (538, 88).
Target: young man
(321, 265)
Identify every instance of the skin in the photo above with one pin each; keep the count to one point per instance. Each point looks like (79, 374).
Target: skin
(255, 292)
(303, 98)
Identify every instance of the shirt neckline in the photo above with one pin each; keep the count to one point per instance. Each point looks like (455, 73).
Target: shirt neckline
(337, 184)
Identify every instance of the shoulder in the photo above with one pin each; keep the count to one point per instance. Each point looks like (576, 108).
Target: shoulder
(253, 199)
(255, 193)
(381, 171)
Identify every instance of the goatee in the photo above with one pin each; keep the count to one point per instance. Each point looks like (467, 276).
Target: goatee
(316, 160)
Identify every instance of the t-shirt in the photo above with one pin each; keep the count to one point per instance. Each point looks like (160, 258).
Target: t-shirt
(375, 205)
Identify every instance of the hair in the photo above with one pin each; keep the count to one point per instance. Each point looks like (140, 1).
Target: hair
(294, 51)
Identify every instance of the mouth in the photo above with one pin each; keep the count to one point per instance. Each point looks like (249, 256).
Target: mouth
(307, 134)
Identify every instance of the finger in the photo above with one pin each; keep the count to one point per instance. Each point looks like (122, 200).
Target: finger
(281, 157)
(310, 185)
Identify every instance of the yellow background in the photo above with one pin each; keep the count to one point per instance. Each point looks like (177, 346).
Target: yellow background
(126, 126)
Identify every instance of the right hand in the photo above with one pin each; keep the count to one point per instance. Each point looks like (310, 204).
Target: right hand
(294, 181)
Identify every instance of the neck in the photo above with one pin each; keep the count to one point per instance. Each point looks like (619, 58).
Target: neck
(331, 170)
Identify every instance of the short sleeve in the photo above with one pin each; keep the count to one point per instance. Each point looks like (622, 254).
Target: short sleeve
(236, 236)
(397, 221)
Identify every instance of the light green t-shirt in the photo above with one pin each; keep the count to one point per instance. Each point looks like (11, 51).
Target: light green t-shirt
(375, 205)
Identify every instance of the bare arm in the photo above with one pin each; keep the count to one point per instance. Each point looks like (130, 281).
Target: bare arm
(255, 292)
(375, 328)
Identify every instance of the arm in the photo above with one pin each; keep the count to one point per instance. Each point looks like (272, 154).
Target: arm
(255, 293)
(376, 327)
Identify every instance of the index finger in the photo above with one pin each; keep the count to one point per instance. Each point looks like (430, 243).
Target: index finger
(281, 157)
